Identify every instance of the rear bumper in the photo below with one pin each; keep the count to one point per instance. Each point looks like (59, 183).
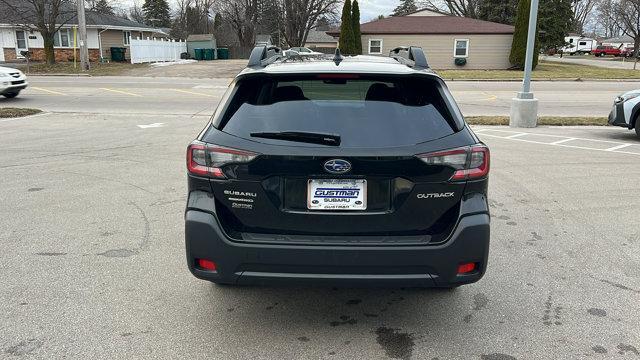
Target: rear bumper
(398, 266)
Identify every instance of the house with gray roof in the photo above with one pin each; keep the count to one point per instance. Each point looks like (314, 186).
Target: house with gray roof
(619, 42)
(17, 33)
(320, 39)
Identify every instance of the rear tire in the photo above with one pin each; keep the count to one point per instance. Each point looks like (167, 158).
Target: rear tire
(637, 129)
(11, 95)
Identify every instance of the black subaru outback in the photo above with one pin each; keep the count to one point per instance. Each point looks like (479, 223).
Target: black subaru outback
(352, 170)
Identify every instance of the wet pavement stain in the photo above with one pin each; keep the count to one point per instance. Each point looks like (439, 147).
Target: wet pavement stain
(599, 349)
(497, 356)
(396, 344)
(33, 189)
(546, 318)
(512, 223)
(344, 320)
(24, 347)
(118, 253)
(620, 286)
(370, 315)
(303, 339)
(625, 348)
(270, 307)
(597, 312)
(480, 301)
(354, 302)
(467, 318)
(51, 254)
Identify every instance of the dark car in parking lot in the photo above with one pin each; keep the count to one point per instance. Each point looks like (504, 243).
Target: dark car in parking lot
(353, 170)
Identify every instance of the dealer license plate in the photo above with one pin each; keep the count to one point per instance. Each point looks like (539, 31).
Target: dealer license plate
(337, 194)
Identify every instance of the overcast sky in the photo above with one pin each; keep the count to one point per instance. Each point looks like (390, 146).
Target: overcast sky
(369, 9)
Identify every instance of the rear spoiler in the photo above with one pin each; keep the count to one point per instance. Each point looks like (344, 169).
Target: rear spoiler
(412, 56)
(264, 55)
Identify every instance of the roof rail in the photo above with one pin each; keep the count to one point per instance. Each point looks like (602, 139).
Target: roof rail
(412, 56)
(263, 55)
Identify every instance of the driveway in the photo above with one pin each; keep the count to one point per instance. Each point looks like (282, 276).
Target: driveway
(605, 62)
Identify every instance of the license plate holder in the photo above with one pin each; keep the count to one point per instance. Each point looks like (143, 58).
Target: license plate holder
(337, 194)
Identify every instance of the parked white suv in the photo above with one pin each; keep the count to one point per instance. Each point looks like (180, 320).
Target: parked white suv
(12, 81)
(626, 111)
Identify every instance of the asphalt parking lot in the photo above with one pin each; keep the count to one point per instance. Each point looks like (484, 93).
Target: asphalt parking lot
(91, 227)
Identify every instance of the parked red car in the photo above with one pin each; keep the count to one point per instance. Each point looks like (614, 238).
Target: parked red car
(606, 50)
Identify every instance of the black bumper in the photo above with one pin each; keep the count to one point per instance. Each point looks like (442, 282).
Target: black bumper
(13, 89)
(396, 266)
(616, 116)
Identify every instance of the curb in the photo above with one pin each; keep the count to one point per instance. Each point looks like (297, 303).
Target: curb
(68, 75)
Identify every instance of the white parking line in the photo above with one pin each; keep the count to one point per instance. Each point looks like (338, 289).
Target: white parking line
(519, 136)
(617, 147)
(516, 135)
(562, 141)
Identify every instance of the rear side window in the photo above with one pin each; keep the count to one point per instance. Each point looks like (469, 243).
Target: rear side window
(363, 111)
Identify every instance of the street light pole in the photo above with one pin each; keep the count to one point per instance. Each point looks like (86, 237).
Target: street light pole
(82, 35)
(524, 107)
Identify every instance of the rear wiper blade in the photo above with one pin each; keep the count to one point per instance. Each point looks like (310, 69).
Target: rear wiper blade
(301, 136)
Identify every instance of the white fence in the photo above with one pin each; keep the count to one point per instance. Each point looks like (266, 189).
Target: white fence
(152, 50)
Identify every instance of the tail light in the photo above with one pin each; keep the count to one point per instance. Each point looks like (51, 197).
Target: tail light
(469, 162)
(208, 160)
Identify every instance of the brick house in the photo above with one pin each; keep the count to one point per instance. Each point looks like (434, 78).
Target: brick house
(103, 32)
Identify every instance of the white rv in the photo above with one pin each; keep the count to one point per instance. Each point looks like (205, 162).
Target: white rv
(579, 45)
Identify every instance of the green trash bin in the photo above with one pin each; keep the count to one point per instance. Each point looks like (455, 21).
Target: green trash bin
(223, 53)
(118, 54)
(199, 54)
(209, 54)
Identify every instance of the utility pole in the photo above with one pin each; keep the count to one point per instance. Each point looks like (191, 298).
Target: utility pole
(524, 107)
(82, 35)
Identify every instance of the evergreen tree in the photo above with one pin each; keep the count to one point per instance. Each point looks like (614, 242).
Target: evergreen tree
(405, 7)
(519, 44)
(355, 27)
(554, 22)
(500, 11)
(346, 32)
(103, 7)
(156, 13)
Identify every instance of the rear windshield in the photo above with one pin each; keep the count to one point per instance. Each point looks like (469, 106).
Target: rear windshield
(363, 111)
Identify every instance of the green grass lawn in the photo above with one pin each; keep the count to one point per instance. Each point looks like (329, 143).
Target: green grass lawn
(17, 112)
(543, 120)
(544, 71)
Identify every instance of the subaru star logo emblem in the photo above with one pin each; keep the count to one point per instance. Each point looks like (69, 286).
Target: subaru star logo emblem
(337, 166)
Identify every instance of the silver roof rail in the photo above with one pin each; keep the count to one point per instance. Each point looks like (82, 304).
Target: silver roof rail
(412, 56)
(264, 55)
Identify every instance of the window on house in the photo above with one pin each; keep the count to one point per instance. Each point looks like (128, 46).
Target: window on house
(63, 38)
(375, 46)
(461, 48)
(126, 37)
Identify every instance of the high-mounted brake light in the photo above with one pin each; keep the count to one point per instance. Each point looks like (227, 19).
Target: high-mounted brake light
(208, 160)
(470, 162)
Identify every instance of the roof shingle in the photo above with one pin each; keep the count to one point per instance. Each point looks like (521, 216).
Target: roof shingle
(431, 25)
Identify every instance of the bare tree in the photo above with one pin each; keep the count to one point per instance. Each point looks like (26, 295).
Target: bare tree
(44, 16)
(607, 18)
(628, 11)
(582, 10)
(300, 16)
(243, 16)
(466, 8)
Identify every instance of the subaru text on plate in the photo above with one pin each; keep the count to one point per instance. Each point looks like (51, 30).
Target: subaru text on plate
(338, 170)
